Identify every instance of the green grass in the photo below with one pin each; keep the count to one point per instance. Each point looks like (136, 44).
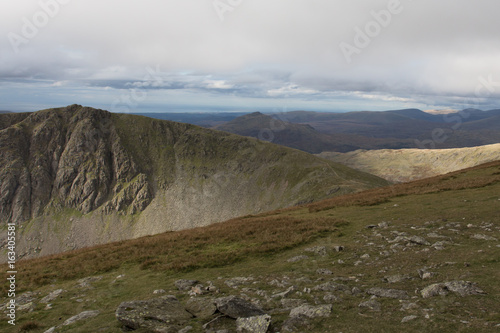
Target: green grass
(259, 246)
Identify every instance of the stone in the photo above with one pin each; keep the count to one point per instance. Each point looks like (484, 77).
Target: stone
(185, 285)
(396, 278)
(27, 307)
(256, 324)
(186, 329)
(331, 286)
(464, 288)
(331, 298)
(50, 330)
(85, 283)
(371, 304)
(298, 258)
(319, 250)
(409, 306)
(484, 237)
(202, 308)
(408, 318)
(338, 248)
(324, 271)
(389, 293)
(236, 307)
(238, 281)
(81, 316)
(435, 289)
(311, 311)
(52, 296)
(418, 240)
(292, 302)
(164, 314)
(296, 324)
(159, 291)
(284, 293)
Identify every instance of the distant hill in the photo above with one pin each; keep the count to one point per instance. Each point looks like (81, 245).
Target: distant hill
(76, 176)
(4, 111)
(402, 165)
(342, 132)
(204, 119)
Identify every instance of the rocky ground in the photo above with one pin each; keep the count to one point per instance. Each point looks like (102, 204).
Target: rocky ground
(377, 276)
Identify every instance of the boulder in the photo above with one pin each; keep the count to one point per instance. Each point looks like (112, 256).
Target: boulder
(202, 308)
(185, 285)
(311, 311)
(256, 324)
(236, 307)
(164, 314)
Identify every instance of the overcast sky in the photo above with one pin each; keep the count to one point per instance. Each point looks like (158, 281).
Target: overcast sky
(248, 55)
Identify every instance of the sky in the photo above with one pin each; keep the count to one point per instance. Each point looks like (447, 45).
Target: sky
(249, 55)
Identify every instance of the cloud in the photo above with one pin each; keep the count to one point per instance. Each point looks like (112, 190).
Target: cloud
(429, 53)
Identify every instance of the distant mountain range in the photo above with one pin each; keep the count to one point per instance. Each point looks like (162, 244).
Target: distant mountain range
(76, 176)
(316, 132)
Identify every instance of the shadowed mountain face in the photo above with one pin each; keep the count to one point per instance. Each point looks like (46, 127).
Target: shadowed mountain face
(76, 176)
(342, 132)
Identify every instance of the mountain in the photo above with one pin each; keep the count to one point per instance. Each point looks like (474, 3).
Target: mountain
(402, 165)
(204, 119)
(76, 176)
(415, 257)
(4, 111)
(409, 128)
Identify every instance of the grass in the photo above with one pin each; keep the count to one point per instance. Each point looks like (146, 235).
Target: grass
(454, 205)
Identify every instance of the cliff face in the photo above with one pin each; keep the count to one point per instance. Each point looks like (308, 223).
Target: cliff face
(67, 158)
(76, 176)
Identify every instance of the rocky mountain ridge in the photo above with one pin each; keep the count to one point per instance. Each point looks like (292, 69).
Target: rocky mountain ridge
(77, 176)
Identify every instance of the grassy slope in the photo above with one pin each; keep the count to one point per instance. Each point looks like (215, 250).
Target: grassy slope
(456, 205)
(402, 165)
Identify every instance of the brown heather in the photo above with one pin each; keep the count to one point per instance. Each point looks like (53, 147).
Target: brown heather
(212, 246)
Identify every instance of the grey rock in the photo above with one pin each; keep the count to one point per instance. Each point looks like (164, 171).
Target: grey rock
(332, 286)
(389, 293)
(324, 271)
(27, 307)
(464, 288)
(408, 318)
(159, 291)
(236, 307)
(296, 324)
(435, 289)
(331, 298)
(202, 308)
(185, 285)
(418, 240)
(81, 316)
(319, 250)
(85, 283)
(256, 324)
(298, 258)
(484, 237)
(50, 330)
(371, 305)
(284, 293)
(164, 314)
(238, 281)
(311, 311)
(396, 278)
(409, 306)
(338, 248)
(52, 296)
(292, 302)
